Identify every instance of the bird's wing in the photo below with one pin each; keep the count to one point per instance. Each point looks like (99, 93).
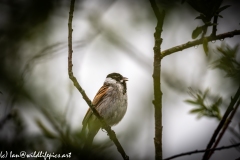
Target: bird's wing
(100, 94)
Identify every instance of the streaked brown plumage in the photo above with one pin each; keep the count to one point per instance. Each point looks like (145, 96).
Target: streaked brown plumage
(111, 103)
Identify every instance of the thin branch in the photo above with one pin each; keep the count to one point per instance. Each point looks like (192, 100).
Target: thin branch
(214, 28)
(222, 122)
(201, 151)
(198, 42)
(157, 102)
(110, 132)
(225, 127)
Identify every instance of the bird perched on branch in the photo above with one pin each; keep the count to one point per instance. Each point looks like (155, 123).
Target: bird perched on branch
(110, 102)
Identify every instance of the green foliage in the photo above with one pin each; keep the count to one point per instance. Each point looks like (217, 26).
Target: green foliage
(206, 17)
(203, 18)
(205, 45)
(207, 9)
(202, 29)
(202, 109)
(55, 129)
(206, 14)
(196, 32)
(44, 129)
(228, 61)
(223, 8)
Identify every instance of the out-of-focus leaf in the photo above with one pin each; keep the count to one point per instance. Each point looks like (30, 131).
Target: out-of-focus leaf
(199, 116)
(219, 116)
(220, 16)
(223, 8)
(202, 17)
(216, 104)
(210, 24)
(205, 45)
(215, 108)
(196, 110)
(192, 102)
(228, 61)
(203, 109)
(205, 93)
(44, 129)
(196, 32)
(68, 130)
(208, 8)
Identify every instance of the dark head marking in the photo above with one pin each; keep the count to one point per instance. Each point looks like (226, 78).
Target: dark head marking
(119, 78)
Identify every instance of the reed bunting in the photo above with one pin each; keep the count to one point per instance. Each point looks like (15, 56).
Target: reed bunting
(110, 102)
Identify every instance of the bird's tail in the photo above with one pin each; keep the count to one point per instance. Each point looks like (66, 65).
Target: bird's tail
(83, 132)
(90, 136)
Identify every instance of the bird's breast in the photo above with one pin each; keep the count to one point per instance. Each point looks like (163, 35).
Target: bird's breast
(114, 106)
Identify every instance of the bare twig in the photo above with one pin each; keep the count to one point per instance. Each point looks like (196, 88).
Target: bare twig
(199, 41)
(110, 132)
(214, 28)
(219, 127)
(157, 102)
(201, 151)
(224, 128)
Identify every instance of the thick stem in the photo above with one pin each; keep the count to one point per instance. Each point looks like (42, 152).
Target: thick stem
(157, 102)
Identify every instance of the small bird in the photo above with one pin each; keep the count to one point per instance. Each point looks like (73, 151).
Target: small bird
(110, 102)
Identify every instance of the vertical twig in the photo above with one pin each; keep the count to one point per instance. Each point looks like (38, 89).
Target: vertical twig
(214, 28)
(219, 127)
(157, 102)
(110, 132)
(70, 30)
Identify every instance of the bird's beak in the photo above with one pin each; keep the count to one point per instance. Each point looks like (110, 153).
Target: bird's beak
(125, 79)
